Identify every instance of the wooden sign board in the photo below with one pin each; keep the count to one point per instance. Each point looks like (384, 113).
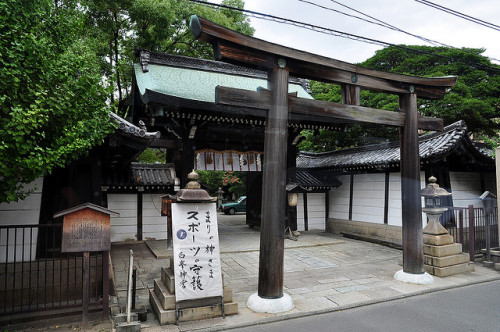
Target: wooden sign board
(86, 228)
(197, 264)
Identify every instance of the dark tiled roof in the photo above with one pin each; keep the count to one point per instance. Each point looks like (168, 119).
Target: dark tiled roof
(313, 179)
(432, 146)
(141, 175)
(152, 174)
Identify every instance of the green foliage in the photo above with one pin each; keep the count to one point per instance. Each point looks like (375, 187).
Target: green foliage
(232, 181)
(157, 25)
(52, 102)
(152, 155)
(475, 98)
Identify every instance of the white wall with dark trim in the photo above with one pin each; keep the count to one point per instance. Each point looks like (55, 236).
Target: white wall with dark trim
(24, 212)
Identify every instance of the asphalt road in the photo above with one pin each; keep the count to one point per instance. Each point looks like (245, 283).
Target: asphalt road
(470, 308)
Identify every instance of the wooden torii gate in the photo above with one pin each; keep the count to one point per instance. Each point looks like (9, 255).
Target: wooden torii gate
(280, 62)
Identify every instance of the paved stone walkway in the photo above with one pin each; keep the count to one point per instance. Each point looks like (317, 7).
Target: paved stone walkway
(323, 272)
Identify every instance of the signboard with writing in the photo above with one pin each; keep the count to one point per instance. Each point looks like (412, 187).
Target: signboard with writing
(86, 230)
(197, 264)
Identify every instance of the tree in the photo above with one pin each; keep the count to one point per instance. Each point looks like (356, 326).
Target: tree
(52, 100)
(234, 182)
(475, 98)
(157, 25)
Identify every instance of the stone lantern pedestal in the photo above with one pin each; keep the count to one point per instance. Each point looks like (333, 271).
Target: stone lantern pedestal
(443, 257)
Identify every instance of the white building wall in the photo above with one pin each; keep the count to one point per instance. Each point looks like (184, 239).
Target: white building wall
(394, 213)
(368, 193)
(466, 189)
(339, 199)
(25, 212)
(123, 227)
(315, 211)
(369, 196)
(154, 226)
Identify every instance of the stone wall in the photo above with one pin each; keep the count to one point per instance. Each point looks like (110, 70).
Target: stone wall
(379, 233)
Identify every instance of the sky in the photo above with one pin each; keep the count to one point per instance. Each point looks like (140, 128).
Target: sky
(408, 15)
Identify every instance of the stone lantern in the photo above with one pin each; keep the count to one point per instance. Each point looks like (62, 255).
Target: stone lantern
(220, 196)
(434, 199)
(442, 257)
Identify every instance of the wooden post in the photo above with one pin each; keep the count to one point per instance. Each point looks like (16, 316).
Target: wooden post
(291, 177)
(327, 208)
(85, 291)
(413, 244)
(306, 213)
(497, 169)
(139, 213)
(273, 190)
(472, 234)
(105, 285)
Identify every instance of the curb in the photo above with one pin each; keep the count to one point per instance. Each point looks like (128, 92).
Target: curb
(339, 308)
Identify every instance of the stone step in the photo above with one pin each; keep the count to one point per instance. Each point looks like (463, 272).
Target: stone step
(438, 240)
(450, 270)
(167, 300)
(442, 251)
(189, 314)
(447, 260)
(167, 278)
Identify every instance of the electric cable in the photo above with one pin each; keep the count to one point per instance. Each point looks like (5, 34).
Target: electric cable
(381, 23)
(337, 33)
(459, 14)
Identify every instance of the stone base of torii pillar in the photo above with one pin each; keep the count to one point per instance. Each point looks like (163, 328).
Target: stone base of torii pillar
(411, 278)
(270, 306)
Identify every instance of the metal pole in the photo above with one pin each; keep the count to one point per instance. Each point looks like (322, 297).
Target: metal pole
(134, 286)
(129, 288)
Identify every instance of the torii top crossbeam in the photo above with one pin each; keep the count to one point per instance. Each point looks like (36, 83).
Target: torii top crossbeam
(231, 46)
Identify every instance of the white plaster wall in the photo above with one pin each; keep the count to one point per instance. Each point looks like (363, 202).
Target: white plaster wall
(466, 189)
(339, 199)
(25, 212)
(368, 201)
(123, 227)
(394, 214)
(154, 226)
(315, 211)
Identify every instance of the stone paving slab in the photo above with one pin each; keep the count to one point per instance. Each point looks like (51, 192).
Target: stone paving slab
(323, 272)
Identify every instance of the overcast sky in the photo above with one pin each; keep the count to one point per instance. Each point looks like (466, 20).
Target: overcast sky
(407, 15)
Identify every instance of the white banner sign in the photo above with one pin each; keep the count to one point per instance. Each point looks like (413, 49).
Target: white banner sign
(211, 160)
(197, 265)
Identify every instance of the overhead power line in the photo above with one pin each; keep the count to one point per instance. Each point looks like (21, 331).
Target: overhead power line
(459, 14)
(336, 33)
(373, 20)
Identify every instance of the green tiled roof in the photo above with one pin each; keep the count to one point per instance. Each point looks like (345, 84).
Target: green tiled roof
(196, 84)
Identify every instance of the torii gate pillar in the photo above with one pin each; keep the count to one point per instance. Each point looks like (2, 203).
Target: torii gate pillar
(411, 206)
(270, 297)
